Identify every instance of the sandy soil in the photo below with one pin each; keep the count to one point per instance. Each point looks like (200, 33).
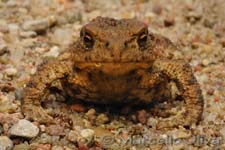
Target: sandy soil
(31, 30)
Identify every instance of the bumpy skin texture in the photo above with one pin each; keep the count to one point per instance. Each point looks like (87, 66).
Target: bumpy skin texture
(117, 61)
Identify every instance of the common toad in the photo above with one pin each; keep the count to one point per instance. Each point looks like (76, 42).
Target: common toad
(121, 62)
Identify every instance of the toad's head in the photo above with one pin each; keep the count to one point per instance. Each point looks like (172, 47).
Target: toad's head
(116, 44)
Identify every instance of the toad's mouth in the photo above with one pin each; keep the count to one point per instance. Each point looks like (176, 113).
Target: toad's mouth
(112, 68)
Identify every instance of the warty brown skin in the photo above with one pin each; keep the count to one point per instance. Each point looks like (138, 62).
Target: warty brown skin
(117, 61)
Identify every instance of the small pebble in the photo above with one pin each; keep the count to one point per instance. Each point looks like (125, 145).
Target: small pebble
(78, 108)
(28, 34)
(42, 128)
(203, 78)
(222, 131)
(39, 25)
(3, 49)
(141, 116)
(102, 132)
(13, 29)
(42, 147)
(216, 98)
(11, 3)
(210, 91)
(5, 143)
(56, 147)
(194, 45)
(18, 94)
(62, 36)
(193, 17)
(208, 23)
(11, 71)
(53, 52)
(102, 119)
(198, 68)
(45, 138)
(91, 112)
(10, 119)
(83, 147)
(152, 122)
(87, 137)
(55, 130)
(205, 62)
(24, 128)
(6, 105)
(181, 133)
(73, 136)
(4, 27)
(169, 21)
(87, 123)
(21, 147)
(210, 117)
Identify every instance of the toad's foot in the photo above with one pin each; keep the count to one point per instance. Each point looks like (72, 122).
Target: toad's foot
(175, 121)
(182, 75)
(47, 73)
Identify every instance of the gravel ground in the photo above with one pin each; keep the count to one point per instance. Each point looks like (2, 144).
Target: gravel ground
(31, 30)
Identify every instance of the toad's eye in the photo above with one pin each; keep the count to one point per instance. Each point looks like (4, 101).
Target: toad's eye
(142, 39)
(88, 40)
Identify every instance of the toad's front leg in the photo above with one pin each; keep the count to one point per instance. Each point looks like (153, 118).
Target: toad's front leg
(181, 73)
(35, 90)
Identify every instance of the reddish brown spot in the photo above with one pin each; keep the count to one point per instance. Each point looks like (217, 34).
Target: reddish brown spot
(169, 21)
(55, 130)
(216, 99)
(141, 116)
(83, 147)
(78, 108)
(210, 91)
(43, 147)
(198, 68)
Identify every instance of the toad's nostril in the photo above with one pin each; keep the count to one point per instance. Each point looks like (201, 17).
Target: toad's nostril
(125, 45)
(107, 44)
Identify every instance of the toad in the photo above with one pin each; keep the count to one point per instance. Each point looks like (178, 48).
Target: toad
(117, 62)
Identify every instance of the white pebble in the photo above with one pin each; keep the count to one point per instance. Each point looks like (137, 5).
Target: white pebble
(13, 29)
(6, 104)
(39, 24)
(63, 36)
(5, 143)
(11, 71)
(203, 78)
(28, 34)
(152, 122)
(43, 128)
(88, 136)
(11, 3)
(205, 62)
(53, 52)
(56, 147)
(73, 136)
(24, 128)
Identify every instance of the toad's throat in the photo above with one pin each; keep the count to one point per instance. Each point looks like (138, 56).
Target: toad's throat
(112, 69)
(99, 87)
